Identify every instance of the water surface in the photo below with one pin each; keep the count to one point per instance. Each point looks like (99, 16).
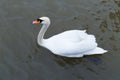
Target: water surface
(22, 59)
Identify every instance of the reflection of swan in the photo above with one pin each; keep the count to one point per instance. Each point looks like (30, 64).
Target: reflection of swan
(72, 43)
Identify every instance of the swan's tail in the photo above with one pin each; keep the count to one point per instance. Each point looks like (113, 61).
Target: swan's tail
(97, 50)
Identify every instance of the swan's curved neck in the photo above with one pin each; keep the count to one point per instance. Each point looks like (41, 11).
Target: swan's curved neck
(40, 38)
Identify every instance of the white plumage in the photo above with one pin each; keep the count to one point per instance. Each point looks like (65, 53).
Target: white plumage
(72, 43)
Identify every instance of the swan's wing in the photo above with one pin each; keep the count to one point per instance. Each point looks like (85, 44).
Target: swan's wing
(66, 48)
(87, 44)
(66, 45)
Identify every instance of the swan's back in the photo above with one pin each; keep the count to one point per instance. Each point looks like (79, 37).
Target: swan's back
(71, 35)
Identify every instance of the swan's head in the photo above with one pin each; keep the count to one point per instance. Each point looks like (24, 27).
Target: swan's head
(42, 20)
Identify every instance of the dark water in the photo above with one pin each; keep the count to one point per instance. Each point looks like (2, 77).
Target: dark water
(22, 59)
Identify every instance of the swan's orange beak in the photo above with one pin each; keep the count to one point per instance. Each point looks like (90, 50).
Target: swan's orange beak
(36, 22)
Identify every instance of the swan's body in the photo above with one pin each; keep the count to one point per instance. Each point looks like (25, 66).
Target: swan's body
(72, 43)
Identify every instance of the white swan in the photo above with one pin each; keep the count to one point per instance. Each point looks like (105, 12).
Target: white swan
(72, 43)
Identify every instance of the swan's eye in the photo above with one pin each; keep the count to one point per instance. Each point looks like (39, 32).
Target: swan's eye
(39, 20)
